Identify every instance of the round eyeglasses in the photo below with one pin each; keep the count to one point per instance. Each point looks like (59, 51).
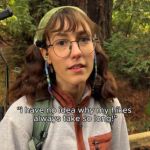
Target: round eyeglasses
(63, 47)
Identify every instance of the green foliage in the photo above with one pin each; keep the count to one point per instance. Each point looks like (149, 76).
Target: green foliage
(40, 8)
(130, 57)
(27, 14)
(22, 25)
(131, 16)
(129, 46)
(19, 26)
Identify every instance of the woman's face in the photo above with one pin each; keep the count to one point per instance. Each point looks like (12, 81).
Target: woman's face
(76, 68)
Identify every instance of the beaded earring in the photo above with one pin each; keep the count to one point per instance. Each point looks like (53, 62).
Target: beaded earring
(48, 77)
(51, 68)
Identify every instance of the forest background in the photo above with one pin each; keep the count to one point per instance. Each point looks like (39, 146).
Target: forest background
(125, 32)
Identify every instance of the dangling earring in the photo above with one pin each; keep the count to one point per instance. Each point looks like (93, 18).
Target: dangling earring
(47, 77)
(47, 73)
(51, 68)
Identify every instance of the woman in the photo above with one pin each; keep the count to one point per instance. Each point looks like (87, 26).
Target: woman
(67, 66)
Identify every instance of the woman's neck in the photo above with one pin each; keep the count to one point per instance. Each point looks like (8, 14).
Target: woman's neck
(76, 91)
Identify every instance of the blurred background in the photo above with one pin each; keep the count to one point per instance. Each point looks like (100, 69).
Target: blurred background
(125, 37)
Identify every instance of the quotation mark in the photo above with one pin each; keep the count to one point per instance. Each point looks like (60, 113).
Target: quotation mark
(20, 108)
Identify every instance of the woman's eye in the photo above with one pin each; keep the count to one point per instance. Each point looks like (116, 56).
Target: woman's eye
(85, 39)
(61, 42)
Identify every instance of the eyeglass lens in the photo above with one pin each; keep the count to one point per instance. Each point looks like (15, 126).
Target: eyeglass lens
(63, 47)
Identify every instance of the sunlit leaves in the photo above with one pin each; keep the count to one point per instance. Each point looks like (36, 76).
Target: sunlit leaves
(131, 14)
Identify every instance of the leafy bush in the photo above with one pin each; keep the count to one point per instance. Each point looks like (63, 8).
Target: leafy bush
(27, 14)
(22, 25)
(130, 57)
(131, 17)
(129, 47)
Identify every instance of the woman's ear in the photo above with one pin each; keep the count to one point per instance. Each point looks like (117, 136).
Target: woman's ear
(45, 55)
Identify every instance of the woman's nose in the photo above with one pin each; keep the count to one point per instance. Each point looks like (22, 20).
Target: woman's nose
(75, 50)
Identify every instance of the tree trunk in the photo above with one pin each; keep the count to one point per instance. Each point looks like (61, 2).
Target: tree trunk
(100, 11)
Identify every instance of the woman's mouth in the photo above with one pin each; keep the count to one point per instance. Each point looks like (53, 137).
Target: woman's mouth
(77, 68)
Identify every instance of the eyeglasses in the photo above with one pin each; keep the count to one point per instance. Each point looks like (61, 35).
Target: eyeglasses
(63, 47)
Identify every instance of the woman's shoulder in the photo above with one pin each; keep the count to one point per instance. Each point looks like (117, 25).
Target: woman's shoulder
(21, 101)
(17, 116)
(18, 106)
(116, 102)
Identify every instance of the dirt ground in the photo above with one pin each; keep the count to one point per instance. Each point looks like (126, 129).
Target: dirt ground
(137, 100)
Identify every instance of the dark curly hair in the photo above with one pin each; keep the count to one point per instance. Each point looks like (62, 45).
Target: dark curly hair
(32, 83)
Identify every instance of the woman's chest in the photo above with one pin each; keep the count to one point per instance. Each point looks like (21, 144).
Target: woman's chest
(84, 130)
